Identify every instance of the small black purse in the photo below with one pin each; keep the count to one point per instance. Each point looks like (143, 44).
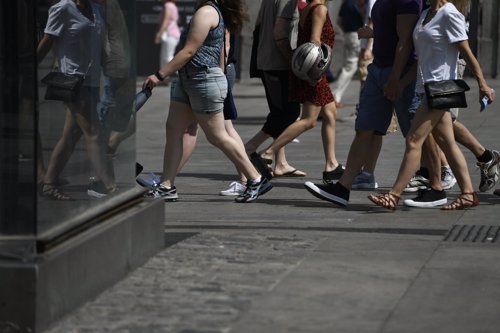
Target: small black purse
(230, 111)
(446, 94)
(62, 87)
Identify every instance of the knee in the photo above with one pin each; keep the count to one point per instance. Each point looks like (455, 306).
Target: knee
(308, 124)
(412, 142)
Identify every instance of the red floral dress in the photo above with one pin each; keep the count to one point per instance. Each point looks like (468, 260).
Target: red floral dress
(301, 91)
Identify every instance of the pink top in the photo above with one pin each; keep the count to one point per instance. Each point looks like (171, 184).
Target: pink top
(173, 28)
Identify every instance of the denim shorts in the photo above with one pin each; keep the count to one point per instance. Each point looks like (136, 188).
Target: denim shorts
(375, 111)
(204, 89)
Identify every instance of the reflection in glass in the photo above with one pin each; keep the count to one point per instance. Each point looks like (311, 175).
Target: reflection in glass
(87, 170)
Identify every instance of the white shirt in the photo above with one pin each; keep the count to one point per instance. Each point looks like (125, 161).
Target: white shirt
(435, 45)
(78, 45)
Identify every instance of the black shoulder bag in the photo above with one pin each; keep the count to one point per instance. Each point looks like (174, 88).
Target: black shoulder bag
(446, 94)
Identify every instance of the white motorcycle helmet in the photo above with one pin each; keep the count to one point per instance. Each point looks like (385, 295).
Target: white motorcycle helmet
(310, 61)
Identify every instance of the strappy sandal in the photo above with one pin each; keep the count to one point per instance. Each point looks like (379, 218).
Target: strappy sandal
(52, 192)
(387, 200)
(462, 202)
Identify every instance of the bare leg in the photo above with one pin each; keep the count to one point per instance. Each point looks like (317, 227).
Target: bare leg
(432, 156)
(179, 118)
(116, 138)
(228, 124)
(446, 140)
(373, 154)
(308, 121)
(328, 135)
(63, 149)
(420, 129)
(188, 143)
(215, 131)
(465, 137)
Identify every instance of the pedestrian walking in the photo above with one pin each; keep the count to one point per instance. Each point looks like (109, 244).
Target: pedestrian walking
(275, 25)
(199, 95)
(439, 36)
(390, 85)
(315, 27)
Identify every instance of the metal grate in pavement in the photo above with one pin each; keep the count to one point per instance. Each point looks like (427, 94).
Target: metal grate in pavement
(473, 234)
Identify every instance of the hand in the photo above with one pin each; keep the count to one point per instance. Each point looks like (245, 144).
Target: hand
(366, 54)
(488, 92)
(365, 32)
(393, 89)
(151, 82)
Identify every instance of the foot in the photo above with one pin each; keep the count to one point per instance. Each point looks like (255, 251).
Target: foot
(97, 189)
(448, 179)
(417, 182)
(235, 188)
(335, 174)
(52, 192)
(253, 190)
(364, 181)
(335, 193)
(463, 201)
(388, 200)
(489, 172)
(427, 198)
(261, 165)
(161, 191)
(289, 173)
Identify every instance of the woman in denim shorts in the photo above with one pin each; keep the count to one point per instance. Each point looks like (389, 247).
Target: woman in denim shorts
(199, 95)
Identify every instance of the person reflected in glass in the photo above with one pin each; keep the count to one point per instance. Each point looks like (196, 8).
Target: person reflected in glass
(74, 32)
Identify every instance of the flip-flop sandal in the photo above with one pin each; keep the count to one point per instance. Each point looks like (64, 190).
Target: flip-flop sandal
(294, 173)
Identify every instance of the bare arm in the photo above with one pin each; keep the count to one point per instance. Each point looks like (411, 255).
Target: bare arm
(405, 24)
(466, 52)
(204, 19)
(318, 20)
(281, 36)
(44, 47)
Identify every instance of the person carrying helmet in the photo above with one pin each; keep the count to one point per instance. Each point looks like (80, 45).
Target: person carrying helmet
(315, 27)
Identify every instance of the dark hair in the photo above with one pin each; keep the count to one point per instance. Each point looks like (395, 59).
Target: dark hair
(233, 12)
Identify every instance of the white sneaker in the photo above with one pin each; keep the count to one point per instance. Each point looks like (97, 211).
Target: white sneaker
(234, 189)
(448, 179)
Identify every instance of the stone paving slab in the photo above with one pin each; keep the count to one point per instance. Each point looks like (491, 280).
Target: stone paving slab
(292, 263)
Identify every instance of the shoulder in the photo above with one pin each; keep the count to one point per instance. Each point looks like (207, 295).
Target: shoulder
(207, 14)
(320, 10)
(450, 11)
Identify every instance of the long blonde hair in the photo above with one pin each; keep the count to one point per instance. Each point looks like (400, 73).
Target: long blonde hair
(463, 6)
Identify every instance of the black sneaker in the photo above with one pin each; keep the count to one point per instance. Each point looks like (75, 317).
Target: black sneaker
(261, 165)
(330, 176)
(160, 191)
(97, 189)
(427, 198)
(254, 190)
(334, 193)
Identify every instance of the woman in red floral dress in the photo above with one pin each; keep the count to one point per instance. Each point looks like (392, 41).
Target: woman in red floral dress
(314, 26)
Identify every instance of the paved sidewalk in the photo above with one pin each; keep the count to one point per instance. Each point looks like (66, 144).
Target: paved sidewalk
(291, 263)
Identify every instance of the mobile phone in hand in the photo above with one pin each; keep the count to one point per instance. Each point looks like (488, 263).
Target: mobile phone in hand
(484, 103)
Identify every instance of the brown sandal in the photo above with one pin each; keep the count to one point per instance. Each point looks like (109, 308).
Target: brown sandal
(461, 202)
(52, 192)
(387, 200)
